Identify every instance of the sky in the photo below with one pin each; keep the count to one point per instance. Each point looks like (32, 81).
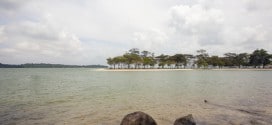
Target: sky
(87, 32)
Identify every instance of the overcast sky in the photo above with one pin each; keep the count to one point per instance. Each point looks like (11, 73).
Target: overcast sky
(88, 31)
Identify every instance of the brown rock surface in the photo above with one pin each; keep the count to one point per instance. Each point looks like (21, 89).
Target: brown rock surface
(186, 120)
(138, 118)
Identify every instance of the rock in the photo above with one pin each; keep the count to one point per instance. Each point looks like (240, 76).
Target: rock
(186, 120)
(138, 118)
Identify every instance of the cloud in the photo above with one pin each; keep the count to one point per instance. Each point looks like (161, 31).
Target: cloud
(150, 40)
(11, 9)
(38, 41)
(255, 5)
(255, 37)
(204, 25)
(87, 32)
(220, 28)
(10, 4)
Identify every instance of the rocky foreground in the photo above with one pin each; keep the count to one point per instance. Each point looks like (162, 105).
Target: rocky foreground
(141, 118)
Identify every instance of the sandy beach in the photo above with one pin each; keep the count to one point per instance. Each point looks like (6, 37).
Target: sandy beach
(132, 70)
(142, 70)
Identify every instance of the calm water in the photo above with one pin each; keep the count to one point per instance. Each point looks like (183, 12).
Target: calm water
(87, 96)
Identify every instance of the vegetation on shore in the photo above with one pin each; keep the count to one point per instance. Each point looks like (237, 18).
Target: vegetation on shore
(136, 59)
(44, 65)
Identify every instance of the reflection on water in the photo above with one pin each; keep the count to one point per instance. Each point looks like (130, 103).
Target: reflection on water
(86, 96)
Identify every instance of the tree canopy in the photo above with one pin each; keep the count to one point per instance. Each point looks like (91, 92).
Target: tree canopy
(260, 58)
(135, 58)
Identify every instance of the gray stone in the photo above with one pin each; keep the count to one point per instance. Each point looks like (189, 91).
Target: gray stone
(138, 118)
(186, 120)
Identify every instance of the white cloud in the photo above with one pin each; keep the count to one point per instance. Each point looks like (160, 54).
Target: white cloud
(87, 32)
(150, 40)
(203, 25)
(39, 41)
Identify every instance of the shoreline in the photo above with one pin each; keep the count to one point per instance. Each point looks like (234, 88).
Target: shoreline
(224, 69)
(132, 70)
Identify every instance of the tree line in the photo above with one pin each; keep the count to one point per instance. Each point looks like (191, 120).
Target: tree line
(136, 59)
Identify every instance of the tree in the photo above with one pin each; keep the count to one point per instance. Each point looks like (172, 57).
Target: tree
(215, 61)
(129, 59)
(115, 61)
(145, 53)
(162, 60)
(132, 58)
(170, 62)
(202, 62)
(179, 60)
(230, 59)
(202, 53)
(242, 59)
(134, 51)
(110, 61)
(137, 60)
(221, 62)
(146, 58)
(259, 58)
(152, 62)
(202, 58)
(147, 61)
(119, 60)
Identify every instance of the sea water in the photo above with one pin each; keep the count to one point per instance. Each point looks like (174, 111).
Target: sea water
(79, 96)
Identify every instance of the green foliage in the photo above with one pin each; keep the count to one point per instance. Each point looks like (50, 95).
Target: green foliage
(132, 58)
(242, 59)
(145, 53)
(134, 51)
(146, 59)
(202, 58)
(109, 61)
(230, 59)
(201, 62)
(216, 61)
(179, 60)
(162, 60)
(259, 58)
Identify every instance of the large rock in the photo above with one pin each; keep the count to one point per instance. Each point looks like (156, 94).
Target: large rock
(186, 120)
(138, 118)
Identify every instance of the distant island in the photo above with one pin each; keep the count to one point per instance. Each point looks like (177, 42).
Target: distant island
(45, 65)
